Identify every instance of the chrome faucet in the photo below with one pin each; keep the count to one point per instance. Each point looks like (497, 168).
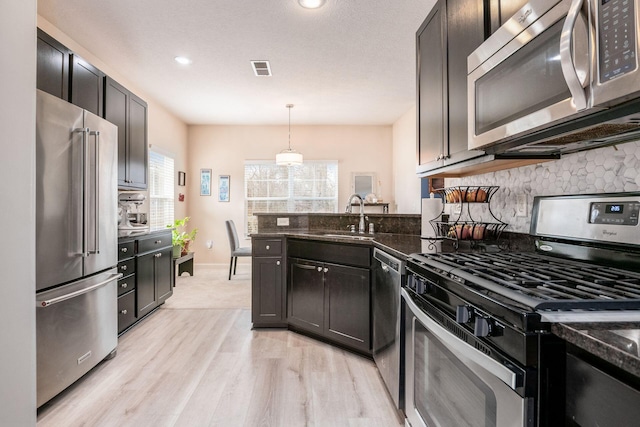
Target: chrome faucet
(350, 210)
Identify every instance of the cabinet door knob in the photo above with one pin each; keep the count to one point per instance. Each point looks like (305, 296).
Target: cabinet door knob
(267, 247)
(124, 250)
(325, 269)
(123, 267)
(319, 268)
(277, 262)
(124, 285)
(123, 311)
(158, 242)
(157, 255)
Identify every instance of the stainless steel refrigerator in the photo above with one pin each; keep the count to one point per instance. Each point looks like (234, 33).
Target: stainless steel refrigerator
(76, 243)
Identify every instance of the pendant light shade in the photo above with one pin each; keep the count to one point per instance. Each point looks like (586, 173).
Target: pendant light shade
(288, 156)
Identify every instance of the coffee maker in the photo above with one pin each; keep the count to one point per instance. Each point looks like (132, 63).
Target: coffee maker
(128, 216)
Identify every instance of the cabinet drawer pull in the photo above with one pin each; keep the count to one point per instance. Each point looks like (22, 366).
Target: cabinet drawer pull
(267, 247)
(123, 267)
(157, 255)
(123, 311)
(277, 262)
(124, 285)
(158, 242)
(123, 250)
(306, 267)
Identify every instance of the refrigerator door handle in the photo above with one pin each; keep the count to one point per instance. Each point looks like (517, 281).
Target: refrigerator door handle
(96, 209)
(85, 202)
(48, 302)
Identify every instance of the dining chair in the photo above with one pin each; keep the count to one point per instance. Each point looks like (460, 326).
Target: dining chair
(234, 245)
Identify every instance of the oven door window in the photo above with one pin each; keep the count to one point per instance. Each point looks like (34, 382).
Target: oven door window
(447, 392)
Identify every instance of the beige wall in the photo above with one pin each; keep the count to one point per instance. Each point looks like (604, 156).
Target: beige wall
(166, 132)
(225, 148)
(406, 182)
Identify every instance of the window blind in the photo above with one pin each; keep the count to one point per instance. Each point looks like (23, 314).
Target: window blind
(161, 190)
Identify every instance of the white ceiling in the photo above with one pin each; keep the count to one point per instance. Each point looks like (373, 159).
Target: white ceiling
(350, 62)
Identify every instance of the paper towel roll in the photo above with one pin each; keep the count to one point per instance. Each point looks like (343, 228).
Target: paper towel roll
(431, 209)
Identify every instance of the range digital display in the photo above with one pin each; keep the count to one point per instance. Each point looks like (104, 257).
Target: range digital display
(614, 209)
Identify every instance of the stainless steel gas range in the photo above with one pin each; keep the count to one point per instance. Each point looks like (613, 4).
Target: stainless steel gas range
(477, 325)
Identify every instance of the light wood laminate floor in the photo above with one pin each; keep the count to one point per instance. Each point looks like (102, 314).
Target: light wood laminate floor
(190, 365)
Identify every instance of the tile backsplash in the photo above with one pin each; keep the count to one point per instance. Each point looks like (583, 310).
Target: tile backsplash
(603, 170)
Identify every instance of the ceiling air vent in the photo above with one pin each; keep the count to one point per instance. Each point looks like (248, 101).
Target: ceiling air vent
(261, 68)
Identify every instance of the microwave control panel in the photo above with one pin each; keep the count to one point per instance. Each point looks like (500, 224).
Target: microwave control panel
(616, 38)
(624, 213)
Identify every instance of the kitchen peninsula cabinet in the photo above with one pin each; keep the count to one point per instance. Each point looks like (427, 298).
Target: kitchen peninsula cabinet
(267, 283)
(453, 30)
(127, 111)
(329, 292)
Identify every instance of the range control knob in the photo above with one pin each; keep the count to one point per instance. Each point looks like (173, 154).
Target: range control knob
(464, 314)
(482, 327)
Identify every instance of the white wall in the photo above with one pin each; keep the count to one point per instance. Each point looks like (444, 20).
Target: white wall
(406, 183)
(225, 148)
(17, 178)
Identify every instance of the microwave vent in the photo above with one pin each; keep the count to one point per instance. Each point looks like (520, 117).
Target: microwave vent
(592, 137)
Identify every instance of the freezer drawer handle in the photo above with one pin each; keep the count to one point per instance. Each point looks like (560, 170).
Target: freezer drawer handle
(47, 303)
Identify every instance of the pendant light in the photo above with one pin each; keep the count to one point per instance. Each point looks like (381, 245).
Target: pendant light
(289, 157)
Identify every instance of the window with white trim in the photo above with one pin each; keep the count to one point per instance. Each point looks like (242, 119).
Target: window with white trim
(161, 189)
(310, 187)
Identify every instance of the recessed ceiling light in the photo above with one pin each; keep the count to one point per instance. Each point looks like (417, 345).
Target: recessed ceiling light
(183, 60)
(311, 4)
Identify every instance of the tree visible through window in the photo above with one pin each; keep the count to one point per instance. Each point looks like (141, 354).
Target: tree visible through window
(161, 190)
(310, 187)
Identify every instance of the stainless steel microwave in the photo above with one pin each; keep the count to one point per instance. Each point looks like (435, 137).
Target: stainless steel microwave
(558, 76)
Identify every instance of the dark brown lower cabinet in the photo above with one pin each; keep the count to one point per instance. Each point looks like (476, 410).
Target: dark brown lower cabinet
(328, 299)
(153, 273)
(267, 283)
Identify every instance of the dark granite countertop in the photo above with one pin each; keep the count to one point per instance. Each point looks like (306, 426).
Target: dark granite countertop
(616, 343)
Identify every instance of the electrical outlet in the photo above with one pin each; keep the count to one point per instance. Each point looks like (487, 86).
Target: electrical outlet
(521, 205)
(457, 208)
(282, 222)
(209, 244)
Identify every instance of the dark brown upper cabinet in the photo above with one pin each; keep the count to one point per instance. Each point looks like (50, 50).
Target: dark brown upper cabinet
(129, 113)
(453, 30)
(87, 90)
(52, 66)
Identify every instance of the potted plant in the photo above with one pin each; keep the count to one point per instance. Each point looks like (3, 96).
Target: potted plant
(180, 238)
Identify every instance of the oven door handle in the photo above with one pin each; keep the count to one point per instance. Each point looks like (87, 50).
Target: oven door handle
(461, 349)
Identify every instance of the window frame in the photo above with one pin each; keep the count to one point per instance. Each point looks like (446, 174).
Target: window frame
(290, 198)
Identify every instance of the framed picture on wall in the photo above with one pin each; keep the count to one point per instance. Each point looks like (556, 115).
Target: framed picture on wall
(205, 182)
(223, 188)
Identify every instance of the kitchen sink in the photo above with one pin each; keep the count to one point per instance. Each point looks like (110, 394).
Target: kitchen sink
(349, 236)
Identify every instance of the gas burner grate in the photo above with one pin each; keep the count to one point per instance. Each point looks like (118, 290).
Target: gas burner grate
(545, 282)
